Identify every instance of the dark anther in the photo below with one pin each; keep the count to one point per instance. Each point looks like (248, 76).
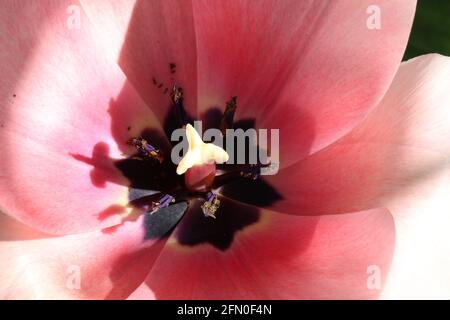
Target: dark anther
(228, 115)
(163, 202)
(253, 172)
(145, 149)
(177, 94)
(177, 99)
(210, 206)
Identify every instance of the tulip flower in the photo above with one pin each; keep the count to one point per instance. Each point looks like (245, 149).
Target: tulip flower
(94, 208)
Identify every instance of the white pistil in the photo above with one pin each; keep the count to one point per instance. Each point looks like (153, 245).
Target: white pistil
(199, 152)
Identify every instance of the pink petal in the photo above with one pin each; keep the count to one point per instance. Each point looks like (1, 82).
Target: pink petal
(421, 261)
(313, 69)
(404, 142)
(110, 19)
(64, 102)
(143, 292)
(398, 158)
(11, 229)
(280, 257)
(93, 265)
(152, 35)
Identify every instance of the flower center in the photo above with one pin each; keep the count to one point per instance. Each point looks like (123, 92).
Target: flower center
(199, 164)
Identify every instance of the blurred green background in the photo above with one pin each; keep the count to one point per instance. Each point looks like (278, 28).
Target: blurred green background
(431, 29)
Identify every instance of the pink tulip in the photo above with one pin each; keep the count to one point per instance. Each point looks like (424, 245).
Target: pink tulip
(358, 210)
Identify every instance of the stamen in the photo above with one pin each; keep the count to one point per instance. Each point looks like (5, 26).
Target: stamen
(177, 94)
(146, 149)
(163, 202)
(177, 99)
(227, 119)
(253, 172)
(210, 206)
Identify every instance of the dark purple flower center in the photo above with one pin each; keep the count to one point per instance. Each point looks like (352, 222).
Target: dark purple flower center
(156, 188)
